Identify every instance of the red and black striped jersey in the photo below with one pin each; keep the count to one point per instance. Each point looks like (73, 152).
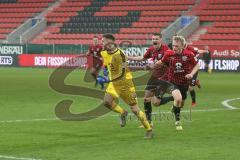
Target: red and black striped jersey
(179, 65)
(156, 55)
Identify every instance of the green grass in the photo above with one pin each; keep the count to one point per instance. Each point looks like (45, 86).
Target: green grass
(25, 95)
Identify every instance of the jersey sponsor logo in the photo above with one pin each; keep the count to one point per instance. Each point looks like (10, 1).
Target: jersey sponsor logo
(178, 68)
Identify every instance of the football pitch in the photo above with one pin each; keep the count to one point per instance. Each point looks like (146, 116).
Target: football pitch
(29, 129)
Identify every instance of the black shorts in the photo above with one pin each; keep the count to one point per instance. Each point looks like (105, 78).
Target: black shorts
(151, 84)
(97, 64)
(97, 67)
(207, 61)
(160, 87)
(183, 90)
(194, 79)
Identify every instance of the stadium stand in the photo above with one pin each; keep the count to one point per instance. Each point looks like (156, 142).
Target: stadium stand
(133, 20)
(14, 12)
(225, 18)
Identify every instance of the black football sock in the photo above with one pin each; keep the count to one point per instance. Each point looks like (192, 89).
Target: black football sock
(148, 110)
(94, 75)
(102, 86)
(165, 100)
(206, 69)
(193, 95)
(176, 111)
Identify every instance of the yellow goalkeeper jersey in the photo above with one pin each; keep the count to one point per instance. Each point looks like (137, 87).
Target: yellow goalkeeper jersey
(116, 63)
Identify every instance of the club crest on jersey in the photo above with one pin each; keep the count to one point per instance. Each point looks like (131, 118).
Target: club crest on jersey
(184, 58)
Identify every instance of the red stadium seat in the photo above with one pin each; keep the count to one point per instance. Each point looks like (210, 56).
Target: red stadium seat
(153, 16)
(5, 30)
(111, 13)
(223, 7)
(227, 24)
(68, 9)
(220, 18)
(2, 36)
(9, 25)
(224, 30)
(219, 12)
(215, 42)
(14, 14)
(224, 1)
(225, 18)
(157, 19)
(160, 13)
(149, 24)
(136, 2)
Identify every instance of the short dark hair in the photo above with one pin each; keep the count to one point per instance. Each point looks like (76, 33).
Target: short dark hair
(109, 36)
(157, 34)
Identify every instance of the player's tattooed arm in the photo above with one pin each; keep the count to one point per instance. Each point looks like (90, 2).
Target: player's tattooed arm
(154, 66)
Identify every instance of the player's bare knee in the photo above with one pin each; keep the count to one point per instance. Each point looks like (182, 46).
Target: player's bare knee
(134, 109)
(178, 100)
(182, 103)
(177, 97)
(190, 88)
(155, 101)
(147, 99)
(107, 104)
(156, 104)
(147, 96)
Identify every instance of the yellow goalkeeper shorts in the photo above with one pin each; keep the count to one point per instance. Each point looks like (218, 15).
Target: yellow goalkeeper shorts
(124, 89)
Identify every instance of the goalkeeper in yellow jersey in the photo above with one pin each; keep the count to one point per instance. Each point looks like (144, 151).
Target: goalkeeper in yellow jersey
(120, 83)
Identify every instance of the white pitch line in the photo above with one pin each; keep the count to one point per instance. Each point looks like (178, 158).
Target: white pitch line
(29, 120)
(17, 158)
(225, 103)
(55, 119)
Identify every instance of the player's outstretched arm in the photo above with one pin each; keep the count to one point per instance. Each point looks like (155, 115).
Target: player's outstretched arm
(202, 51)
(154, 66)
(138, 58)
(194, 71)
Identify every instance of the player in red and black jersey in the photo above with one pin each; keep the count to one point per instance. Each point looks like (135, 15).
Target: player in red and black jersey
(155, 52)
(94, 51)
(182, 65)
(194, 80)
